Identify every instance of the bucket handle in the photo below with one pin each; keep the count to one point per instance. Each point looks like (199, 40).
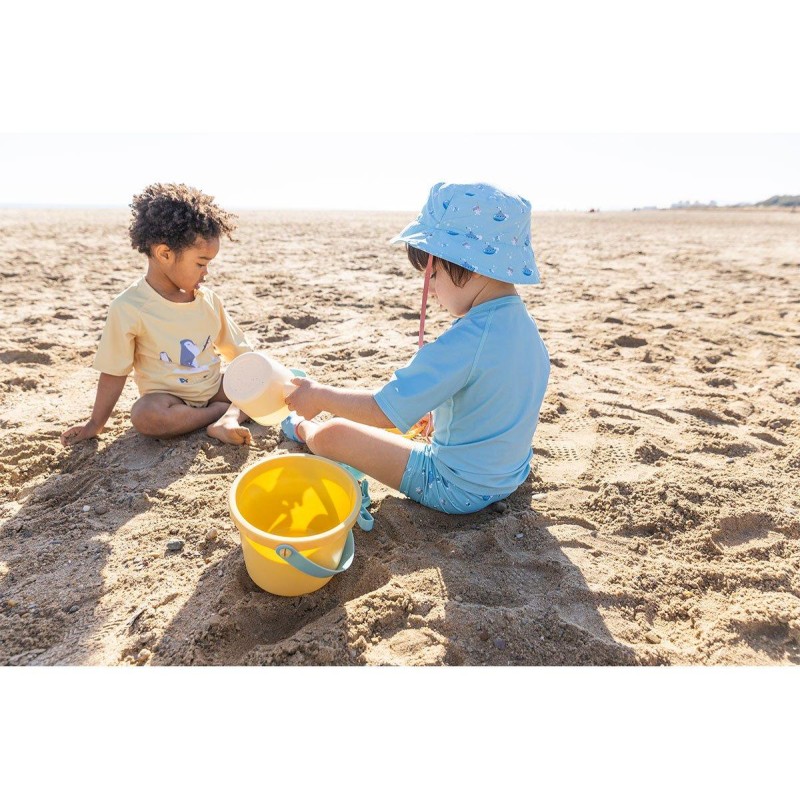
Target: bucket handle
(365, 519)
(308, 567)
(292, 556)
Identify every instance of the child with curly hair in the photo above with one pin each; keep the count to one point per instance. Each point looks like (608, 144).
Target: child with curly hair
(167, 327)
(483, 379)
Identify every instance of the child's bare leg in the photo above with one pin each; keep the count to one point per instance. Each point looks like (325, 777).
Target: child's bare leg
(163, 415)
(375, 452)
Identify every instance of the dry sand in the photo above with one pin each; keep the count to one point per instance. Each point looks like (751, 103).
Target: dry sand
(659, 525)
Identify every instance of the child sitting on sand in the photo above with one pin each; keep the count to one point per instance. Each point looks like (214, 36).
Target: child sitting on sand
(484, 378)
(167, 327)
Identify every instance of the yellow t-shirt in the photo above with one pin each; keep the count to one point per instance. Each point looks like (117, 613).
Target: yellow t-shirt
(171, 347)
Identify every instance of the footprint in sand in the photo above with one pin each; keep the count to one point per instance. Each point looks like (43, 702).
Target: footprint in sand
(745, 532)
(567, 456)
(769, 439)
(706, 415)
(26, 384)
(767, 634)
(302, 321)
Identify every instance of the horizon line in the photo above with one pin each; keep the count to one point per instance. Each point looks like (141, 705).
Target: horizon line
(107, 207)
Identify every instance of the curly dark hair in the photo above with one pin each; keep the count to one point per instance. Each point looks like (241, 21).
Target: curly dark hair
(176, 214)
(419, 260)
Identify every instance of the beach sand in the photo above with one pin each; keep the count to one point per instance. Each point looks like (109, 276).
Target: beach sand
(659, 525)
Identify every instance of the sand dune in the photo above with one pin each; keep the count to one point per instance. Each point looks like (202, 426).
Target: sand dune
(659, 525)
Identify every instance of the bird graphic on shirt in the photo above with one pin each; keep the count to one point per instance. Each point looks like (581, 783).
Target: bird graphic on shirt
(189, 353)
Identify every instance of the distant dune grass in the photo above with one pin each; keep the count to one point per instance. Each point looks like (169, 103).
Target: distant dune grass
(781, 200)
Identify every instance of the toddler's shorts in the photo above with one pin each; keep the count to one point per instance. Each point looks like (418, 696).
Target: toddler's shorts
(196, 403)
(423, 483)
(203, 403)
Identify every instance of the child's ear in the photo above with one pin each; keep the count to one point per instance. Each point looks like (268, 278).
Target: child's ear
(163, 253)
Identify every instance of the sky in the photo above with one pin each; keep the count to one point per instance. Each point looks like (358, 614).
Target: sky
(358, 105)
(393, 171)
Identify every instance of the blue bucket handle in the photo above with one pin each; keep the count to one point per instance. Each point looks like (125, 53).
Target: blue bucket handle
(308, 567)
(365, 521)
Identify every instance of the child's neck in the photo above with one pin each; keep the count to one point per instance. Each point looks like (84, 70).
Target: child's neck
(492, 290)
(161, 284)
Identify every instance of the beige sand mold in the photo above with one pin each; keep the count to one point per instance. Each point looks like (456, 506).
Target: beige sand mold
(259, 385)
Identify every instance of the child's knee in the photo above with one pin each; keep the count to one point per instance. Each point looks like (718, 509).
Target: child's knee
(327, 436)
(144, 420)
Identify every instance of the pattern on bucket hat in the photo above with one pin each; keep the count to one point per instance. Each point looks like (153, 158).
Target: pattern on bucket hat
(479, 227)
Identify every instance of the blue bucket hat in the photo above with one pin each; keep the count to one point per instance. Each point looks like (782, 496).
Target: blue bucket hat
(479, 227)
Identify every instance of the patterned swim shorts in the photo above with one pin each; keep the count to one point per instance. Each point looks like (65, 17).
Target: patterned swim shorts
(423, 482)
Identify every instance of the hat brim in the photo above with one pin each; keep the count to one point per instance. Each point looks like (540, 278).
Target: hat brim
(509, 263)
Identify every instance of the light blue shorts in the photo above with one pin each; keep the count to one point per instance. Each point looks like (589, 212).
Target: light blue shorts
(423, 483)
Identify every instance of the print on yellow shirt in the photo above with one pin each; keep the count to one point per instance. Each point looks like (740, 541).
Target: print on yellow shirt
(170, 347)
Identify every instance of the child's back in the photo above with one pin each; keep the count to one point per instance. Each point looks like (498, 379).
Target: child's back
(485, 378)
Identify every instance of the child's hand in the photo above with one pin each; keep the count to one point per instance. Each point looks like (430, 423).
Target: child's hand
(426, 426)
(306, 399)
(80, 432)
(422, 429)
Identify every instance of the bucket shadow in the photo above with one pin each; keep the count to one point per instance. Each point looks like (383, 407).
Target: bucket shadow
(230, 620)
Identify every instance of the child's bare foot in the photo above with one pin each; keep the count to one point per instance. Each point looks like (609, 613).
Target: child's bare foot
(229, 430)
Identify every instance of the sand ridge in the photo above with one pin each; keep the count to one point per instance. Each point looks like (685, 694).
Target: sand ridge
(659, 525)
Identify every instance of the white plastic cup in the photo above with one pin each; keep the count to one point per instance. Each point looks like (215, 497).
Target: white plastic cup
(259, 385)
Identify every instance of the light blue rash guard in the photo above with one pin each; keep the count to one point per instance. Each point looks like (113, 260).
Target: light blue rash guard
(484, 379)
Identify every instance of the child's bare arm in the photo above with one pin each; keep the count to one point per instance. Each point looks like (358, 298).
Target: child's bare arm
(310, 398)
(109, 388)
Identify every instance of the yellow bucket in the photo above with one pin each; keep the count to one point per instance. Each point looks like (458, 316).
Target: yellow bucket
(295, 515)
